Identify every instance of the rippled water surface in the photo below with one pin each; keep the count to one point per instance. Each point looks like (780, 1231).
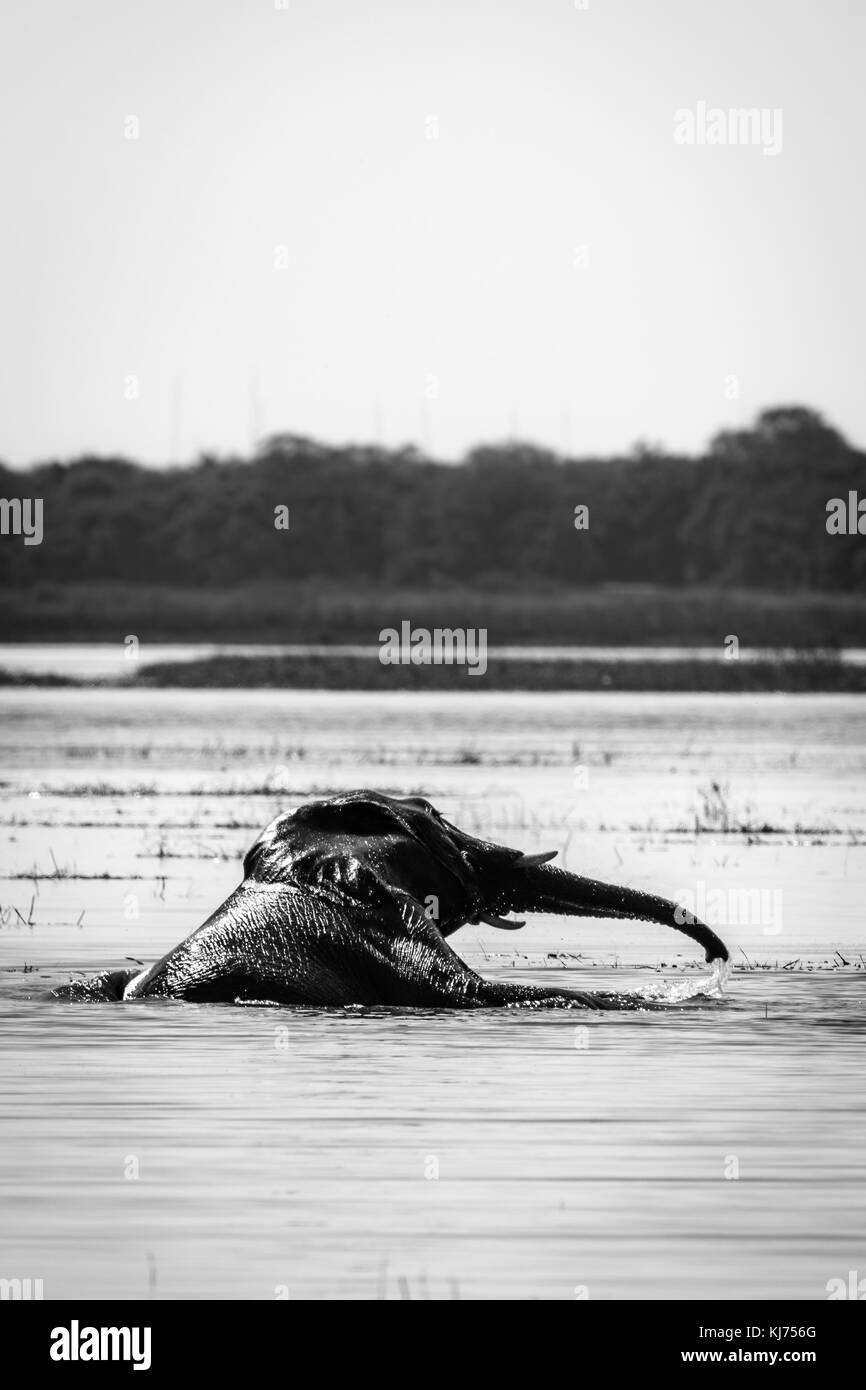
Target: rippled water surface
(715, 1147)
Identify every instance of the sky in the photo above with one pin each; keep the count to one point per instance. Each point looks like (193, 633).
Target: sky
(437, 222)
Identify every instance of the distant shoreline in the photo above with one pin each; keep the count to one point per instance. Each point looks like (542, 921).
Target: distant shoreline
(807, 672)
(312, 635)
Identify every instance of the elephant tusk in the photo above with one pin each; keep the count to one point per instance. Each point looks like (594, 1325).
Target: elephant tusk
(499, 922)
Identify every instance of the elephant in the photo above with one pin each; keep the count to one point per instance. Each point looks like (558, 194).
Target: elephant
(351, 899)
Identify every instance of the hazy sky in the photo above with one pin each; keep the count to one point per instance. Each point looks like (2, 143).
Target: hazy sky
(285, 247)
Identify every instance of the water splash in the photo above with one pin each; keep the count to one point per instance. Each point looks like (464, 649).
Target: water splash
(710, 986)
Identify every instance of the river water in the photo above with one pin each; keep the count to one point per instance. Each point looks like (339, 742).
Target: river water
(715, 1147)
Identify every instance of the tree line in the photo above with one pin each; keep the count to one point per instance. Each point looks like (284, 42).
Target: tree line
(751, 511)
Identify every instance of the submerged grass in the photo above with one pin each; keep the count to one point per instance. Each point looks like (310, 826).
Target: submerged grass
(818, 672)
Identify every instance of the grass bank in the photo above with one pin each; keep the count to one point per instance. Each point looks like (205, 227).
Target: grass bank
(315, 612)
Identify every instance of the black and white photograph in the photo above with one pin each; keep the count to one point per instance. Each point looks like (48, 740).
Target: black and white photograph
(432, 671)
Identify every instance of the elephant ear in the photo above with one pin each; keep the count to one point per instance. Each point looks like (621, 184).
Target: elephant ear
(365, 847)
(295, 847)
